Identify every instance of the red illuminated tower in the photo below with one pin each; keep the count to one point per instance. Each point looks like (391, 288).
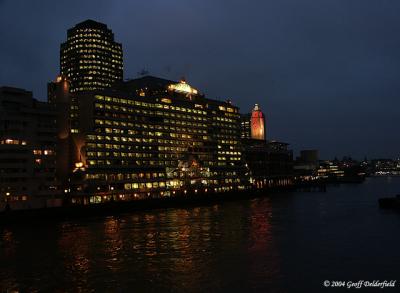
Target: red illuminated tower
(257, 123)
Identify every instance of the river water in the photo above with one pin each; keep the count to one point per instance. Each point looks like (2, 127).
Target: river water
(287, 242)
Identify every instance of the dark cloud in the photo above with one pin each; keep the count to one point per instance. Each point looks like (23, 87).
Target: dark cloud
(325, 72)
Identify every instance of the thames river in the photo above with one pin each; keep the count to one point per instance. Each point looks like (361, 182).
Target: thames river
(287, 242)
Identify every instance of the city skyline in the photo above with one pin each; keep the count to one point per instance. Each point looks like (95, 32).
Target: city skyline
(339, 94)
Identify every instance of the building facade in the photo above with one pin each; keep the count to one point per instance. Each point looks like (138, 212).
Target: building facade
(245, 126)
(270, 163)
(90, 58)
(27, 149)
(154, 137)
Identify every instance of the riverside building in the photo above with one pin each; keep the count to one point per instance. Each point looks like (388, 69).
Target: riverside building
(152, 137)
(27, 150)
(270, 163)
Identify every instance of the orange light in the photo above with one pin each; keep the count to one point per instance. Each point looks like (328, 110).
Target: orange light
(79, 165)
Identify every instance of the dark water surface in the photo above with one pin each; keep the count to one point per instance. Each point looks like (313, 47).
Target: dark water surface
(289, 242)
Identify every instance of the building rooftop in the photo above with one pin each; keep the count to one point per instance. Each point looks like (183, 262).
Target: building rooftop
(91, 23)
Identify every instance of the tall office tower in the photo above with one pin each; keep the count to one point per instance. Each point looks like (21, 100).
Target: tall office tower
(90, 58)
(257, 123)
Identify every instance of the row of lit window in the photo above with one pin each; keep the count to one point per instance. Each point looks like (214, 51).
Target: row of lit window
(132, 155)
(98, 57)
(92, 44)
(67, 52)
(152, 113)
(228, 109)
(120, 154)
(172, 149)
(224, 136)
(103, 67)
(124, 139)
(97, 39)
(177, 183)
(93, 163)
(144, 176)
(223, 119)
(234, 116)
(13, 141)
(81, 89)
(229, 153)
(140, 147)
(229, 131)
(43, 152)
(128, 117)
(125, 176)
(87, 43)
(85, 33)
(130, 131)
(94, 82)
(230, 142)
(131, 125)
(147, 105)
(105, 63)
(94, 69)
(225, 125)
(112, 112)
(157, 133)
(178, 122)
(101, 146)
(148, 185)
(229, 158)
(141, 140)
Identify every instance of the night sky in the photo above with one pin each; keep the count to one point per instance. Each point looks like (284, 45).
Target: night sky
(325, 72)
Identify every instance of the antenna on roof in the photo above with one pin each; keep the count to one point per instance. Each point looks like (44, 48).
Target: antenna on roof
(143, 72)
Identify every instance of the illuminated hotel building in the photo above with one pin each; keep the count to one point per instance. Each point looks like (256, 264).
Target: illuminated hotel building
(90, 58)
(27, 150)
(155, 137)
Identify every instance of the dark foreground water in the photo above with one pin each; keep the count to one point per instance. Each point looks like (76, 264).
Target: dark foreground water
(289, 242)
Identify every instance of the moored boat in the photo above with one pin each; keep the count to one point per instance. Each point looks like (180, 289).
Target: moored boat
(390, 202)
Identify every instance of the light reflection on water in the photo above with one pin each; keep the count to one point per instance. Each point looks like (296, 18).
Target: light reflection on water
(273, 244)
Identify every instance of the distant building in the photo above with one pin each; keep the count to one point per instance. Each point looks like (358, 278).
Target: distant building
(329, 170)
(269, 163)
(309, 156)
(245, 126)
(90, 58)
(27, 149)
(306, 166)
(253, 124)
